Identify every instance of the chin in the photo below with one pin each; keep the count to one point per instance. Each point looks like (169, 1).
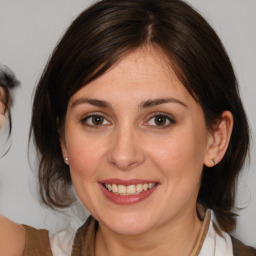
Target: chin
(128, 224)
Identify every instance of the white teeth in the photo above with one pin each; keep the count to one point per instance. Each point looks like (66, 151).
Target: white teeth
(150, 185)
(139, 188)
(145, 187)
(121, 189)
(114, 188)
(130, 189)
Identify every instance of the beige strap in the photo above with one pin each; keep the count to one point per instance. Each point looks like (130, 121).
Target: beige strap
(201, 237)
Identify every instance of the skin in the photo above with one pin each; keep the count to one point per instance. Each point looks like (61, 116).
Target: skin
(2, 108)
(129, 144)
(2, 118)
(2, 97)
(12, 238)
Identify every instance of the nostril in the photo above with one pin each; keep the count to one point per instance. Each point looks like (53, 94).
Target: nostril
(126, 162)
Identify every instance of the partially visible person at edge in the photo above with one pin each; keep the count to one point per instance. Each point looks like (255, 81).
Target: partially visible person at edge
(8, 82)
(138, 110)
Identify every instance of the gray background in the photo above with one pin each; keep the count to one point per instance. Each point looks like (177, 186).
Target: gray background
(29, 30)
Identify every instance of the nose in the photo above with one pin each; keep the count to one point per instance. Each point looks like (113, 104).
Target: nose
(126, 150)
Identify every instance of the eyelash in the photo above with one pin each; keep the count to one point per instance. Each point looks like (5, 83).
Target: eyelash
(167, 118)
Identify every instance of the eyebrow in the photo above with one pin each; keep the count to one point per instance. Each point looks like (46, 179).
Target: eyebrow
(155, 102)
(145, 104)
(94, 102)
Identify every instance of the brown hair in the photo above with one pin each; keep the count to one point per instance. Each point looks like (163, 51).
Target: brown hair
(101, 36)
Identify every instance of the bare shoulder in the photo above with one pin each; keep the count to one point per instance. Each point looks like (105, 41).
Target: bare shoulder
(12, 237)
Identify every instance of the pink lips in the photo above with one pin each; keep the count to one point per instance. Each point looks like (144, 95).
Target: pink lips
(126, 199)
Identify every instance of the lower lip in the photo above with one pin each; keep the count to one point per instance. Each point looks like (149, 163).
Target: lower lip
(124, 200)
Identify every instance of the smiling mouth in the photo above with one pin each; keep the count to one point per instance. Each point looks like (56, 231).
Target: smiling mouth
(130, 189)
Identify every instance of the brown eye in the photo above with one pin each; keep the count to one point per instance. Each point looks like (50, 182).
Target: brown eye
(160, 121)
(95, 120)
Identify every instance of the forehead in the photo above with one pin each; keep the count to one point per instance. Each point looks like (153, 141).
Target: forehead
(146, 69)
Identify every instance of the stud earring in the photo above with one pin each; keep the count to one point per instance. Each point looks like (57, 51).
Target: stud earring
(214, 161)
(66, 160)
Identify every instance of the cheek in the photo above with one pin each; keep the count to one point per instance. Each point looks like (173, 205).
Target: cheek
(179, 153)
(84, 155)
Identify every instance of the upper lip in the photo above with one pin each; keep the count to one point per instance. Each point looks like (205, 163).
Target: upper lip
(127, 182)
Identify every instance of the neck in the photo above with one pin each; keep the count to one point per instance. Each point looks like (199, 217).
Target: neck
(169, 239)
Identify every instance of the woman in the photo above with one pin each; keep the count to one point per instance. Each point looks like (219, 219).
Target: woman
(138, 110)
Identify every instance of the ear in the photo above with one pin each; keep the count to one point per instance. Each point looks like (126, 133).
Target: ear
(218, 140)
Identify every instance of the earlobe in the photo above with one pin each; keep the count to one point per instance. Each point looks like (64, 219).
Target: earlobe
(219, 139)
(63, 147)
(66, 160)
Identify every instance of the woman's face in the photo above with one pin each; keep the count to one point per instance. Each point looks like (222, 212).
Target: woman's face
(137, 131)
